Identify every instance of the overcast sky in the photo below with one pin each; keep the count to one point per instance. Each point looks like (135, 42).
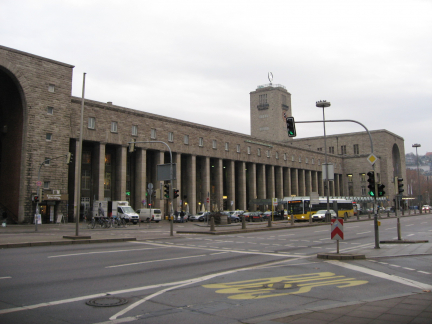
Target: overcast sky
(199, 60)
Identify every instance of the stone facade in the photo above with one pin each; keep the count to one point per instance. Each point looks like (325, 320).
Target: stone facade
(40, 119)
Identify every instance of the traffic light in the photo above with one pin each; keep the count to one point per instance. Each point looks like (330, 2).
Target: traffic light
(175, 193)
(69, 158)
(381, 191)
(371, 185)
(166, 191)
(132, 146)
(291, 127)
(35, 199)
(400, 186)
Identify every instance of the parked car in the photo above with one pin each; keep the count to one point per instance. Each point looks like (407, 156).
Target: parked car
(252, 216)
(320, 215)
(426, 208)
(200, 216)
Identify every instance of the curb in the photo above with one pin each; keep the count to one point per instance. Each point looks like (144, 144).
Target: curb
(340, 256)
(85, 241)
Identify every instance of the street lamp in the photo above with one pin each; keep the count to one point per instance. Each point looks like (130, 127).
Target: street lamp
(418, 176)
(324, 104)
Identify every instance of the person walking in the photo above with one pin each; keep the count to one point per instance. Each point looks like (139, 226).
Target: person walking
(181, 216)
(101, 212)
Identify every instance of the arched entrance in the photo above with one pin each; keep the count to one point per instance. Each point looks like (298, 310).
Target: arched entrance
(11, 137)
(397, 172)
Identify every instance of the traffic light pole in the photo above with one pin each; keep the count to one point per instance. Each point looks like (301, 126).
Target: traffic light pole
(171, 179)
(372, 150)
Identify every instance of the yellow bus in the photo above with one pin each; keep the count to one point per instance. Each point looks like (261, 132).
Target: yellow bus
(301, 208)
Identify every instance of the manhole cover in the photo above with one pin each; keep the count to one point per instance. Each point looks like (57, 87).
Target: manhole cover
(107, 301)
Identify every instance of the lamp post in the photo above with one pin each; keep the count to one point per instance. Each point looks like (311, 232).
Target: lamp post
(418, 176)
(324, 104)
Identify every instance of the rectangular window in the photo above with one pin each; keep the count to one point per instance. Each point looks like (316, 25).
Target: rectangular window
(201, 142)
(86, 157)
(153, 133)
(293, 158)
(313, 161)
(362, 177)
(343, 149)
(238, 148)
(113, 127)
(356, 149)
(46, 185)
(134, 130)
(331, 149)
(306, 160)
(350, 177)
(48, 136)
(226, 146)
(51, 88)
(170, 137)
(319, 149)
(249, 150)
(107, 181)
(259, 152)
(268, 153)
(263, 99)
(50, 110)
(91, 122)
(47, 161)
(186, 140)
(300, 159)
(108, 159)
(85, 180)
(214, 144)
(285, 156)
(363, 191)
(277, 156)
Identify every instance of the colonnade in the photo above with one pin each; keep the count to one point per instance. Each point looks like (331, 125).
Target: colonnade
(226, 184)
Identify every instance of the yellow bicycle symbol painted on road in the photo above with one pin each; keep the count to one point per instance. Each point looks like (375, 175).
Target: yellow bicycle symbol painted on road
(282, 286)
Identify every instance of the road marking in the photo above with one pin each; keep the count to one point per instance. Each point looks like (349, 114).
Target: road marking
(395, 265)
(410, 234)
(409, 225)
(100, 252)
(363, 232)
(408, 268)
(153, 261)
(321, 231)
(424, 272)
(383, 275)
(5, 277)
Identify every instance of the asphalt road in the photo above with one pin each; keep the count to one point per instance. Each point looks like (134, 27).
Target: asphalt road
(206, 279)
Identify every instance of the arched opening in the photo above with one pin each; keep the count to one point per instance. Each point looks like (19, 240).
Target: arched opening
(397, 172)
(11, 136)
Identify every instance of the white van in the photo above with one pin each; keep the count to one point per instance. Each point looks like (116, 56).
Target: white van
(123, 210)
(149, 214)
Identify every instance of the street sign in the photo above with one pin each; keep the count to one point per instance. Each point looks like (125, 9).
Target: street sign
(372, 158)
(208, 200)
(39, 183)
(337, 229)
(275, 202)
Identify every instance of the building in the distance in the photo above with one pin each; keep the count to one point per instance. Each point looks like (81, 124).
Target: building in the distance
(215, 168)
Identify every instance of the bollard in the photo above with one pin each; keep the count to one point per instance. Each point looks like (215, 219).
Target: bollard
(388, 213)
(292, 219)
(358, 216)
(345, 217)
(212, 224)
(310, 218)
(269, 222)
(243, 222)
(409, 212)
(171, 226)
(379, 214)
(369, 215)
(403, 212)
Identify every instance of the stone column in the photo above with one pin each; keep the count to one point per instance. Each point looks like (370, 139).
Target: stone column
(252, 185)
(286, 182)
(279, 182)
(321, 190)
(218, 204)
(315, 181)
(120, 182)
(191, 167)
(177, 182)
(163, 203)
(141, 177)
(206, 181)
(261, 183)
(301, 182)
(294, 182)
(270, 181)
(308, 181)
(230, 184)
(100, 172)
(241, 190)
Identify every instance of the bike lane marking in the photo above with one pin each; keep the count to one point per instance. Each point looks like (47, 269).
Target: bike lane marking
(401, 280)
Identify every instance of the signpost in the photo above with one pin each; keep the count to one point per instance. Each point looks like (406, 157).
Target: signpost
(337, 231)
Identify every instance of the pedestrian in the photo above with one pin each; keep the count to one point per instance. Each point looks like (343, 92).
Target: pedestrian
(282, 214)
(181, 216)
(176, 216)
(101, 212)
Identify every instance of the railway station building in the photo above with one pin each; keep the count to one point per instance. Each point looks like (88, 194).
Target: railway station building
(216, 169)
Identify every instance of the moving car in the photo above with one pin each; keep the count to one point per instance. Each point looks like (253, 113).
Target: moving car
(320, 215)
(201, 217)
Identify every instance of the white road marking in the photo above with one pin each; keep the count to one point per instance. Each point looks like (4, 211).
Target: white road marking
(321, 231)
(409, 225)
(424, 272)
(363, 232)
(153, 261)
(395, 265)
(5, 277)
(383, 275)
(100, 252)
(410, 234)
(408, 268)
